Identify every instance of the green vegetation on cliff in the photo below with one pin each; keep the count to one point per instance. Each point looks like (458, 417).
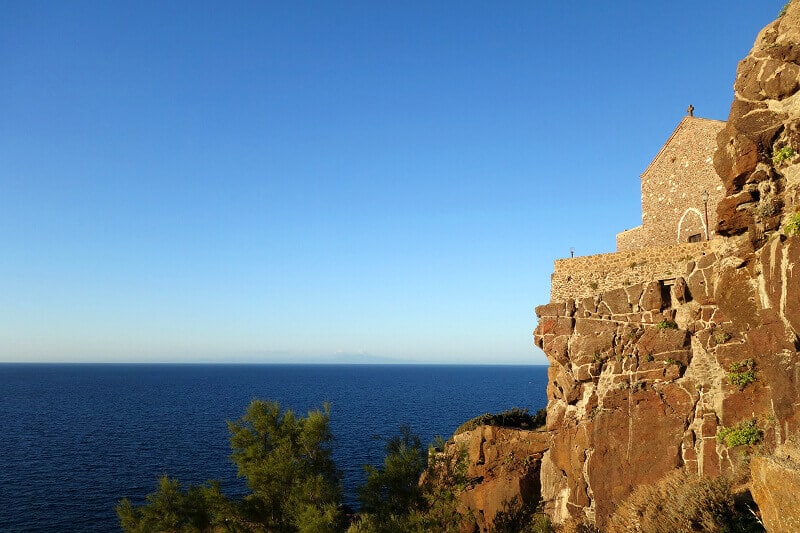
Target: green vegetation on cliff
(743, 434)
(287, 462)
(512, 418)
(294, 484)
(792, 227)
(414, 491)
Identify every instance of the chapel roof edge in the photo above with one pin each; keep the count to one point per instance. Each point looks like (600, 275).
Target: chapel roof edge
(681, 124)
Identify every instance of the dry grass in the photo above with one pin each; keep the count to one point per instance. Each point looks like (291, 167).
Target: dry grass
(682, 502)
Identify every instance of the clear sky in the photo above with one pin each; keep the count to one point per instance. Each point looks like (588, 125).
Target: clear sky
(316, 181)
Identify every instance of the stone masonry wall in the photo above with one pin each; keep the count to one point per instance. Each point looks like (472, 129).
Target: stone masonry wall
(673, 185)
(640, 378)
(632, 239)
(590, 275)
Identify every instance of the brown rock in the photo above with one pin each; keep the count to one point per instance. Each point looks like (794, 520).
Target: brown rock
(554, 326)
(708, 444)
(700, 286)
(635, 416)
(792, 302)
(556, 348)
(770, 258)
(551, 309)
(730, 219)
(635, 444)
(680, 291)
(735, 295)
(735, 158)
(781, 79)
(503, 465)
(565, 387)
(617, 301)
(658, 342)
(634, 293)
(748, 83)
(762, 125)
(651, 297)
(775, 488)
(592, 336)
(766, 78)
(706, 261)
(587, 306)
(770, 337)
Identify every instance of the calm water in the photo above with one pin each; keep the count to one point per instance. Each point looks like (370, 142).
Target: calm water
(77, 438)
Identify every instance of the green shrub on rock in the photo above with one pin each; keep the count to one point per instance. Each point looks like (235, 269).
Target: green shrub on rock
(512, 418)
(782, 154)
(743, 434)
(742, 373)
(792, 227)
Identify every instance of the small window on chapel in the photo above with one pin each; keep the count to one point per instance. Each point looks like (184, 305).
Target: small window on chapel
(697, 237)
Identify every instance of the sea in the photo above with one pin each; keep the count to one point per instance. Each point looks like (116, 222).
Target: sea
(76, 438)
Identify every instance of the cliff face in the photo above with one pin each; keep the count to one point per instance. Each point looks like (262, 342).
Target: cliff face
(502, 466)
(651, 377)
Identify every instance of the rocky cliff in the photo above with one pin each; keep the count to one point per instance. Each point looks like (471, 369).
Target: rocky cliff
(502, 468)
(699, 371)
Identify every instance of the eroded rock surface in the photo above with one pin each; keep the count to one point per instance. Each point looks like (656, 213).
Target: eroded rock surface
(776, 488)
(503, 465)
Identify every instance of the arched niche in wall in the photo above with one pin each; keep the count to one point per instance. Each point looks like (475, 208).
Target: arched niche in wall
(692, 226)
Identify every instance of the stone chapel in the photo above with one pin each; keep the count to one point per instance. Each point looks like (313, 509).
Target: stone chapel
(680, 189)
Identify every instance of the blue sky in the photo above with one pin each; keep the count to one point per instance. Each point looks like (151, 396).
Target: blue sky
(317, 181)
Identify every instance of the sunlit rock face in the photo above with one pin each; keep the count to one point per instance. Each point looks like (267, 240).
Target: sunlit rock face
(503, 466)
(648, 378)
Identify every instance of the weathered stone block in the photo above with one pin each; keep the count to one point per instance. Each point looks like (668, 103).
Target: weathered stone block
(680, 292)
(656, 341)
(698, 286)
(736, 157)
(555, 347)
(776, 490)
(651, 297)
(781, 79)
(565, 386)
(587, 305)
(735, 295)
(551, 309)
(592, 337)
(706, 261)
(617, 301)
(636, 441)
(559, 326)
(771, 337)
(730, 219)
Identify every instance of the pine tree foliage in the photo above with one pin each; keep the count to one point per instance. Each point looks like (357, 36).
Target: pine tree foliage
(286, 460)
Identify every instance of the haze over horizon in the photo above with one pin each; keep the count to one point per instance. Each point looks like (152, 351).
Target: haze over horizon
(302, 182)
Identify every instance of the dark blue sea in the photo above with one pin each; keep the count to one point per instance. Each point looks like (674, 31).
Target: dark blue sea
(74, 439)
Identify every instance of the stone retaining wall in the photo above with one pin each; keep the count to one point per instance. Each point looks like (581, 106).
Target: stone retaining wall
(591, 275)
